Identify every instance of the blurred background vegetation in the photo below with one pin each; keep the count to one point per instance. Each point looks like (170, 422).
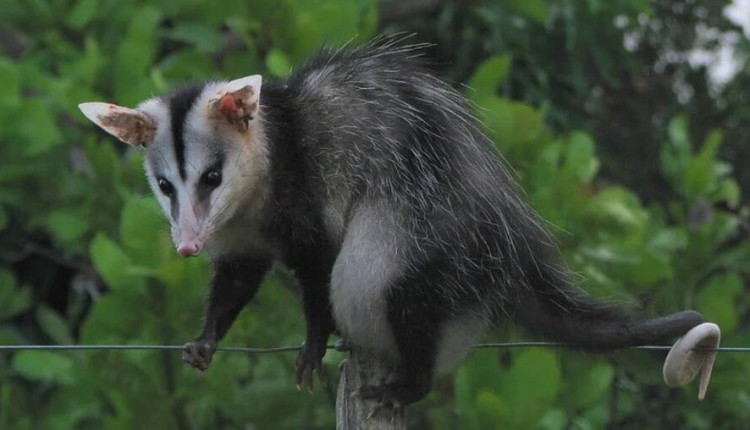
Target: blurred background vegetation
(625, 120)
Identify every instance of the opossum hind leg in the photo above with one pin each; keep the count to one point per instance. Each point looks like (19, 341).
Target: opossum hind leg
(383, 304)
(416, 318)
(368, 263)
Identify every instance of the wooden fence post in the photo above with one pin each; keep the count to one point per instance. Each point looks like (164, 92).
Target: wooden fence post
(352, 411)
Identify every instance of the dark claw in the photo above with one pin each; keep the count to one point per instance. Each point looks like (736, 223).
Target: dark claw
(304, 376)
(309, 361)
(199, 353)
(323, 375)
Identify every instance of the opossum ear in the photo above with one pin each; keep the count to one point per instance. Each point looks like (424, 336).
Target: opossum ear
(129, 125)
(239, 101)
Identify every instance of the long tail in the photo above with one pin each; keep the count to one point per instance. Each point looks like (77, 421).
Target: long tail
(559, 311)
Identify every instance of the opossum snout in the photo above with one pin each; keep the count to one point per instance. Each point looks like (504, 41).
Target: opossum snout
(188, 249)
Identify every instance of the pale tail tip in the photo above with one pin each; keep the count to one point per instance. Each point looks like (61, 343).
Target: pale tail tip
(693, 353)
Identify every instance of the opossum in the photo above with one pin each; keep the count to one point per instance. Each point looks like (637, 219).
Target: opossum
(370, 178)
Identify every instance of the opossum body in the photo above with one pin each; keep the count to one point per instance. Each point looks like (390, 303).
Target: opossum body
(370, 178)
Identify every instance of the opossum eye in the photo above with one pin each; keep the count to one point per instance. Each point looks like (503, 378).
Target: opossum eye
(211, 178)
(165, 186)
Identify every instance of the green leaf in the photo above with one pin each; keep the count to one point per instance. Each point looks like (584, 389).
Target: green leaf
(480, 373)
(729, 191)
(491, 409)
(72, 407)
(677, 154)
(178, 273)
(13, 301)
(526, 397)
(54, 325)
(278, 63)
(555, 419)
(717, 301)
(135, 56)
(86, 67)
(594, 418)
(679, 137)
(620, 208)
(668, 240)
(580, 160)
(187, 65)
(238, 63)
(67, 225)
(243, 27)
(370, 20)
(711, 145)
(653, 267)
(35, 128)
(702, 172)
(43, 366)
(10, 336)
(10, 85)
(514, 127)
(464, 398)
(329, 23)
(586, 391)
(113, 265)
(610, 253)
(144, 231)
(203, 38)
(537, 10)
(488, 76)
(83, 12)
(113, 319)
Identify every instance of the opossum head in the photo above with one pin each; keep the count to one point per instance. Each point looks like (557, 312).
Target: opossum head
(206, 156)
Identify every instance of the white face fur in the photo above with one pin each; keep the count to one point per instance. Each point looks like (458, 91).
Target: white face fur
(205, 155)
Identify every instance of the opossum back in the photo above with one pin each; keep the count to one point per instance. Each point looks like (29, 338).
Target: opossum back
(379, 123)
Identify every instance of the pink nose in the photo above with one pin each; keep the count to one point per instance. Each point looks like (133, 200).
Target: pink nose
(188, 249)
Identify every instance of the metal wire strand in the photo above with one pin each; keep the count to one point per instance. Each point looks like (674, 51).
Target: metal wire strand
(337, 346)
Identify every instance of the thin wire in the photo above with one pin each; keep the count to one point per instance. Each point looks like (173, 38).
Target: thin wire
(338, 347)
(561, 345)
(143, 347)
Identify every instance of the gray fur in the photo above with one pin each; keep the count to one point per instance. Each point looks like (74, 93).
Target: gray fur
(370, 259)
(371, 178)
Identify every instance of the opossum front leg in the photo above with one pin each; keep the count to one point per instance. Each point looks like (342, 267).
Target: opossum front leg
(235, 282)
(319, 325)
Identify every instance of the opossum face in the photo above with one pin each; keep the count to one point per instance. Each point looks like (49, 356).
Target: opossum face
(205, 153)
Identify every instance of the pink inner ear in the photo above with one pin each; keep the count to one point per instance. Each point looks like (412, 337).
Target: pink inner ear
(234, 106)
(228, 106)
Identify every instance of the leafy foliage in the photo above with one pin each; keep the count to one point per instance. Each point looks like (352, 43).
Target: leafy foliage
(87, 257)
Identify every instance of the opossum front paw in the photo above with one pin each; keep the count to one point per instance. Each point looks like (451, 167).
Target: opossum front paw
(310, 360)
(199, 353)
